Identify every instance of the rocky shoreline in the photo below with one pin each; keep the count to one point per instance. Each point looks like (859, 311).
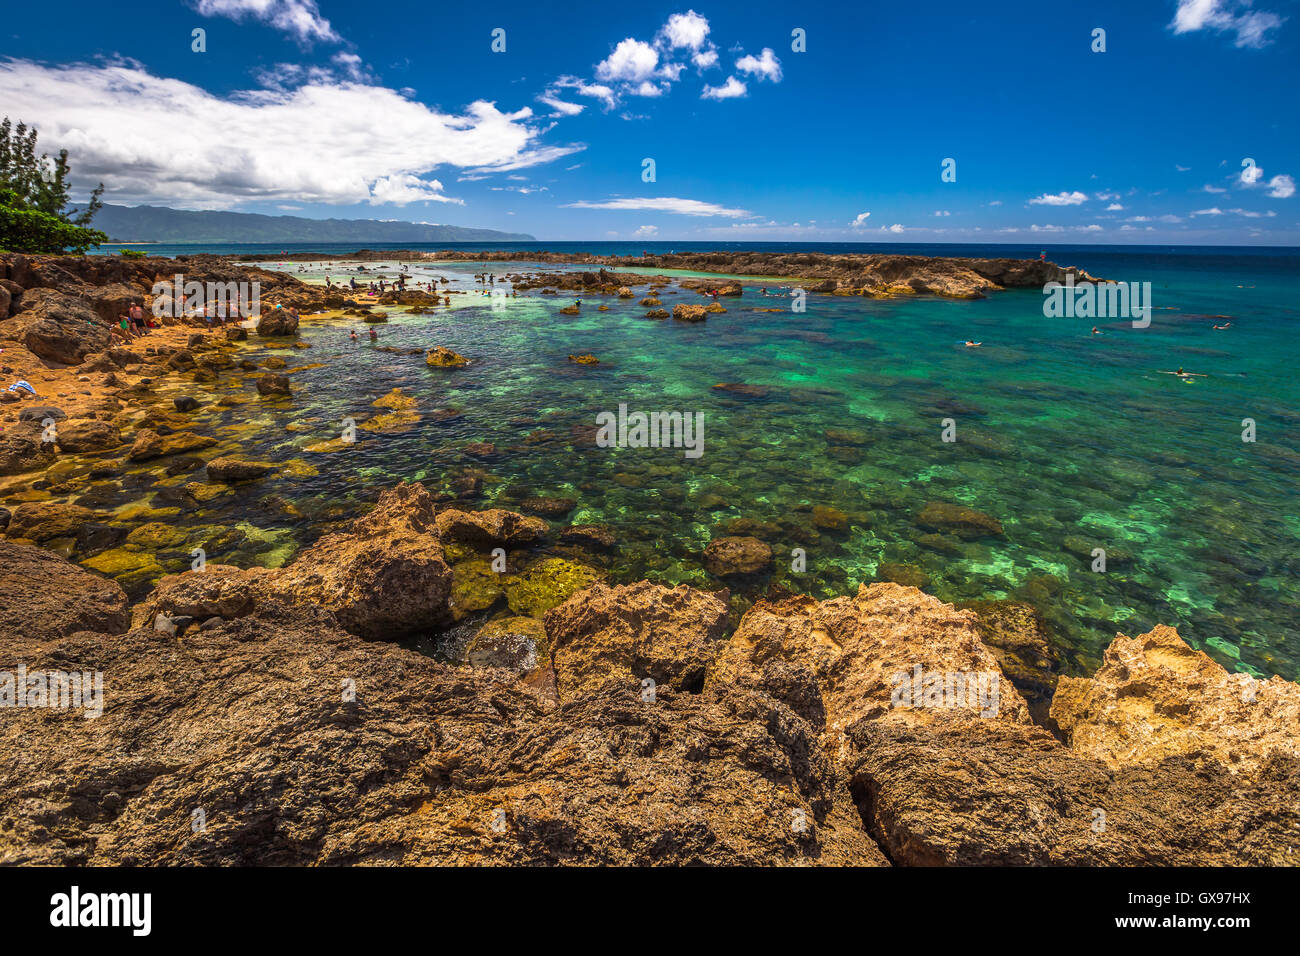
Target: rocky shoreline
(269, 715)
(273, 706)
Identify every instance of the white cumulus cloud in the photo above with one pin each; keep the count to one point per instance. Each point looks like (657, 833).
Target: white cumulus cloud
(631, 62)
(765, 66)
(688, 30)
(1060, 199)
(154, 139)
(727, 91)
(705, 59)
(403, 188)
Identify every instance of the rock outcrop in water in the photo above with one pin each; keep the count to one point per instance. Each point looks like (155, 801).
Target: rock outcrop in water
(257, 724)
(856, 274)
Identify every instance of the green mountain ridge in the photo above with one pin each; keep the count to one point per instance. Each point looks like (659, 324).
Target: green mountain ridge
(162, 224)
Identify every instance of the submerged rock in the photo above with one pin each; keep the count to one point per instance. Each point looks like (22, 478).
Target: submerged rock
(234, 469)
(397, 400)
(273, 385)
(549, 583)
(475, 587)
(737, 555)
(549, 507)
(518, 644)
(959, 520)
(1016, 635)
(591, 536)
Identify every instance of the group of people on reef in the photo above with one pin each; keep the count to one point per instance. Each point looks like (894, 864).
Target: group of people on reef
(133, 323)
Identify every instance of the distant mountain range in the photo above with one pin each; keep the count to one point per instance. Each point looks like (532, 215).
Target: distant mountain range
(160, 224)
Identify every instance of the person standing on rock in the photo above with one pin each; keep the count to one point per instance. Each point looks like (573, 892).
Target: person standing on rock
(136, 313)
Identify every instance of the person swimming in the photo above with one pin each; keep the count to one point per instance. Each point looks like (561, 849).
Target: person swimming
(374, 336)
(1225, 325)
(1097, 331)
(971, 345)
(353, 335)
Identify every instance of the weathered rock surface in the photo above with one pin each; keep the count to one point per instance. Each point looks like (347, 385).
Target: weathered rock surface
(491, 528)
(629, 633)
(46, 598)
(1155, 697)
(275, 322)
(148, 444)
(58, 326)
(87, 434)
(966, 791)
(253, 723)
(442, 357)
(839, 661)
(22, 448)
(43, 520)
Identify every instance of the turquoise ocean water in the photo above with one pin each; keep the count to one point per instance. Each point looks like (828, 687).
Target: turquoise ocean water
(1072, 441)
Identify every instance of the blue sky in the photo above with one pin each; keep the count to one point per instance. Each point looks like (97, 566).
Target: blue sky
(404, 111)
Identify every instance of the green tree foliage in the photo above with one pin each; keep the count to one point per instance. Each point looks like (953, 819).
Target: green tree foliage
(34, 197)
